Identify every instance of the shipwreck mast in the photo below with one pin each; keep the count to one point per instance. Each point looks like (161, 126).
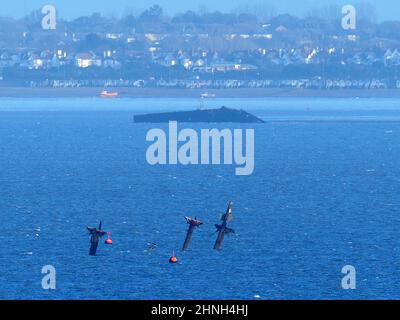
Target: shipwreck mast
(95, 234)
(222, 229)
(193, 224)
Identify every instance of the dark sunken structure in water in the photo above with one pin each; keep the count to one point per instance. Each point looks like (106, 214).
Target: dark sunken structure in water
(95, 235)
(206, 116)
(193, 224)
(222, 228)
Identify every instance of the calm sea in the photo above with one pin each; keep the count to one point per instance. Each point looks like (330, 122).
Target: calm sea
(324, 194)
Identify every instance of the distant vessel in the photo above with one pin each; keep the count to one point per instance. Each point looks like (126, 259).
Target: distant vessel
(220, 115)
(208, 95)
(106, 94)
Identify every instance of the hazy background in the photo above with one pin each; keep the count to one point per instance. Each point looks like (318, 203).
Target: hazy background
(385, 9)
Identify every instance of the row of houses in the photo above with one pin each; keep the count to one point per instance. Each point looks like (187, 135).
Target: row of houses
(281, 57)
(49, 59)
(200, 62)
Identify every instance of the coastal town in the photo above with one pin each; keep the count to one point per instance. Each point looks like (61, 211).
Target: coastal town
(201, 50)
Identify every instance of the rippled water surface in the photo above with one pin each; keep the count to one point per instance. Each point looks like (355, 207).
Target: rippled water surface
(324, 194)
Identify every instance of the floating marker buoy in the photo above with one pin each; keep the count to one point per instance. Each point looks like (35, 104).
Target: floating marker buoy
(173, 259)
(109, 240)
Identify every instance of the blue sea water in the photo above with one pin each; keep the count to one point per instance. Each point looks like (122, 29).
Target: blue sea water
(324, 194)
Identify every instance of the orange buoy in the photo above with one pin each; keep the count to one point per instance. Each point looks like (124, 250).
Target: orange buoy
(173, 259)
(109, 240)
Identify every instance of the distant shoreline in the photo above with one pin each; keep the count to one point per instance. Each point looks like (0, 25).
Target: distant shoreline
(24, 92)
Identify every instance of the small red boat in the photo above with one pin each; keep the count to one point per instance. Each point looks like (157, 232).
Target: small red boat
(106, 94)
